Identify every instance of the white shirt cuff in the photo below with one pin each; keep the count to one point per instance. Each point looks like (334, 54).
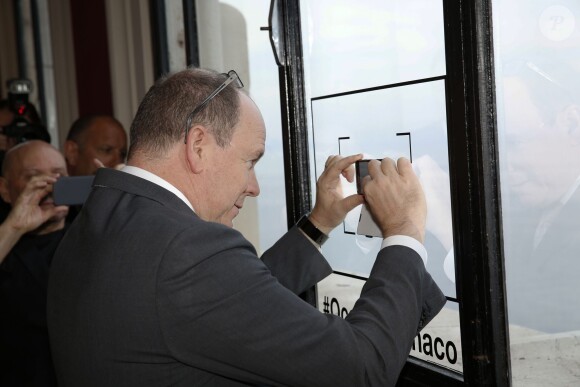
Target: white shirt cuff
(410, 242)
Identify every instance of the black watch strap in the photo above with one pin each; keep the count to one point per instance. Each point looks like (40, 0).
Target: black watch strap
(311, 231)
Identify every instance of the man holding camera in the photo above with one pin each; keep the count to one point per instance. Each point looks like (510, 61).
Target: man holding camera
(28, 238)
(19, 121)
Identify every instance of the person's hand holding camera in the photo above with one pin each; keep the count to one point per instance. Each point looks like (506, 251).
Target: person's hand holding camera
(331, 206)
(32, 210)
(395, 198)
(34, 206)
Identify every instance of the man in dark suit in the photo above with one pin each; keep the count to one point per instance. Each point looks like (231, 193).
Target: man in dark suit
(151, 286)
(28, 238)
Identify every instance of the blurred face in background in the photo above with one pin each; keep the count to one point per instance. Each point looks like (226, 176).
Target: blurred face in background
(104, 140)
(543, 150)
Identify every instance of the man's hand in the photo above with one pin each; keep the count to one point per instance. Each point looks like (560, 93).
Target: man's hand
(331, 206)
(27, 213)
(395, 198)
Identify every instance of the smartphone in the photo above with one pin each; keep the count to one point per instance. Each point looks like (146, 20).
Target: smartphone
(362, 170)
(72, 190)
(366, 224)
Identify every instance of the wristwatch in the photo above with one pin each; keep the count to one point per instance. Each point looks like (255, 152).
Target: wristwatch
(311, 231)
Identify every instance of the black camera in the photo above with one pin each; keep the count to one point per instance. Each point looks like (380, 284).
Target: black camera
(26, 124)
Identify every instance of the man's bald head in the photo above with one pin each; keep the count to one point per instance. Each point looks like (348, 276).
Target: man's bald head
(25, 161)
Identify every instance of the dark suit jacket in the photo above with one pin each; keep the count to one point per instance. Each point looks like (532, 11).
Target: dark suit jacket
(144, 293)
(24, 351)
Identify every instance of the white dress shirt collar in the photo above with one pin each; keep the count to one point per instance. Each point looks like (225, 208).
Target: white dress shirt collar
(153, 178)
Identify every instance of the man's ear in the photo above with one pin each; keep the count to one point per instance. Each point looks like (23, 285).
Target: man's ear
(71, 152)
(197, 147)
(4, 190)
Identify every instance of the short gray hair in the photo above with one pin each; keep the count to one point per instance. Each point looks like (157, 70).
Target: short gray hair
(162, 115)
